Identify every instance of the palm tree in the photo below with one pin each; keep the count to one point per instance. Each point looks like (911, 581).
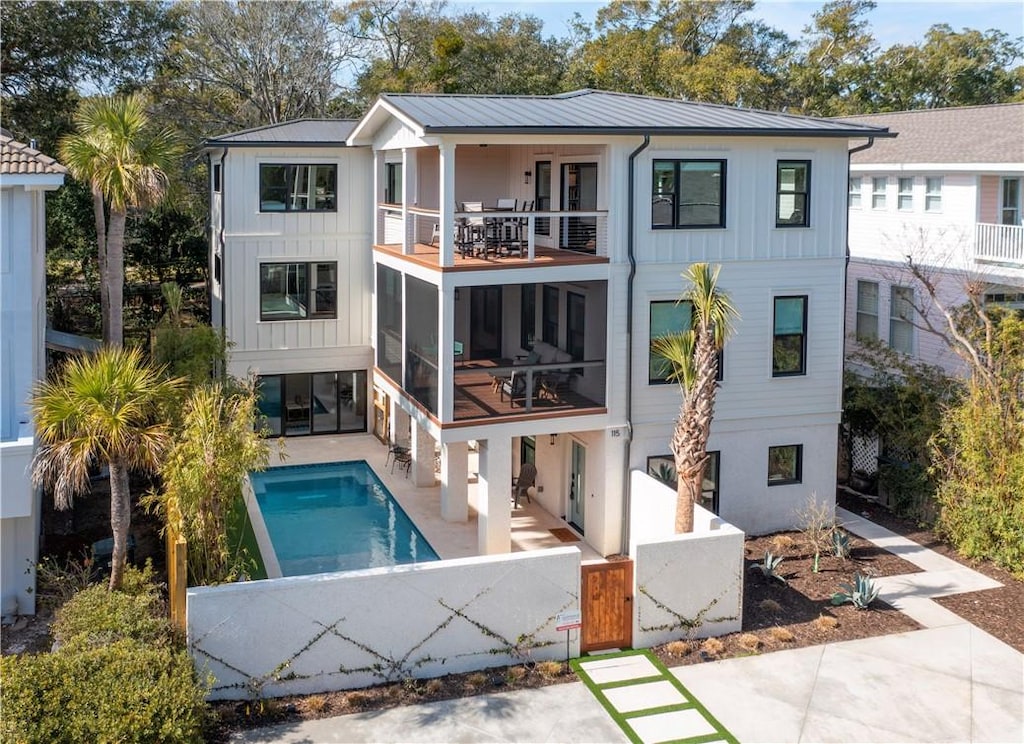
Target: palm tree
(125, 160)
(101, 408)
(693, 357)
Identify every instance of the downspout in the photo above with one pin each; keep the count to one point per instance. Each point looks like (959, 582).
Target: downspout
(630, 247)
(220, 239)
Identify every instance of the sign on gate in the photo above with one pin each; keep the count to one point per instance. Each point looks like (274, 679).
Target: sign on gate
(568, 620)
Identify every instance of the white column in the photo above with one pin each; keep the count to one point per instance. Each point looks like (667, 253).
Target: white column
(494, 496)
(455, 481)
(399, 425)
(378, 196)
(446, 202)
(422, 457)
(408, 200)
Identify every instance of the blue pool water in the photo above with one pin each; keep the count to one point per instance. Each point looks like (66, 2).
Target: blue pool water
(335, 517)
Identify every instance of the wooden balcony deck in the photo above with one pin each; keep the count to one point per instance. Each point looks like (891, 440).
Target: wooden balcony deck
(430, 257)
(476, 398)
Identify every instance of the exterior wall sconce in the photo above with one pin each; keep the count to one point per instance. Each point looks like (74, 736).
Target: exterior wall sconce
(526, 177)
(553, 439)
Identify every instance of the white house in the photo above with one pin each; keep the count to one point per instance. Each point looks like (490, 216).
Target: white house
(521, 252)
(946, 191)
(25, 177)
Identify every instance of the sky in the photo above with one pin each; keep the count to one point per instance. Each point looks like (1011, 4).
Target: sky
(892, 22)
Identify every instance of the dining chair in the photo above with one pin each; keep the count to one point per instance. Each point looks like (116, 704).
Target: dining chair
(474, 228)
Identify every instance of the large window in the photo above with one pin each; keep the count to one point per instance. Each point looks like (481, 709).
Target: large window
(789, 343)
(298, 188)
(785, 464)
(901, 311)
(663, 468)
(393, 183)
(549, 328)
(905, 194)
(878, 192)
(527, 315)
(389, 322)
(1009, 212)
(688, 193)
(867, 310)
(298, 291)
(542, 196)
(667, 317)
(933, 194)
(793, 189)
(855, 186)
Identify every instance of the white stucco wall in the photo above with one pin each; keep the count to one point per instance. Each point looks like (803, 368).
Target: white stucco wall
(355, 629)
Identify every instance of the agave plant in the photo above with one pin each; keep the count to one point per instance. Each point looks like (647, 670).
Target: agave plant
(841, 544)
(769, 567)
(861, 593)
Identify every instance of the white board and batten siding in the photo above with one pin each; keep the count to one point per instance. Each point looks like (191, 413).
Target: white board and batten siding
(252, 238)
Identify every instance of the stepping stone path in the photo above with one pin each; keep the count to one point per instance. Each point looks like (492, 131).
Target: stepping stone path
(649, 704)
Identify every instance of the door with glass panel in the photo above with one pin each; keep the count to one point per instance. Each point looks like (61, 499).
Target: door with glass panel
(579, 194)
(578, 486)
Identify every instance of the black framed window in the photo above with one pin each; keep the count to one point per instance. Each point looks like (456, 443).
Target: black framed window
(528, 450)
(709, 489)
(527, 315)
(688, 193)
(789, 338)
(668, 317)
(785, 464)
(312, 403)
(393, 183)
(298, 291)
(793, 193)
(542, 196)
(298, 188)
(549, 309)
(215, 177)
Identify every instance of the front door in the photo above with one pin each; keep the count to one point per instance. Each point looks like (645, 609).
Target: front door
(577, 486)
(579, 194)
(485, 322)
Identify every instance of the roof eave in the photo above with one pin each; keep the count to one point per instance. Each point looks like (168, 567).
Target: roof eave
(218, 144)
(663, 131)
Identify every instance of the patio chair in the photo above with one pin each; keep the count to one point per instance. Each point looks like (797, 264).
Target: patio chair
(527, 479)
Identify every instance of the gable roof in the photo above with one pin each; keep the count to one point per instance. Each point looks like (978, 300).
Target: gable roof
(968, 134)
(17, 158)
(299, 132)
(594, 112)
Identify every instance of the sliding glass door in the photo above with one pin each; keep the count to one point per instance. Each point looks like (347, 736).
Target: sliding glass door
(313, 403)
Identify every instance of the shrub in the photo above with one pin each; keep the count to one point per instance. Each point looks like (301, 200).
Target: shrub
(712, 647)
(434, 686)
(314, 705)
(749, 642)
(826, 622)
(841, 544)
(770, 605)
(769, 567)
(120, 692)
(550, 669)
(785, 635)
(678, 648)
(782, 543)
(861, 593)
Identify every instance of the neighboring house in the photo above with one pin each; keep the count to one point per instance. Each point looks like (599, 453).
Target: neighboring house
(526, 334)
(25, 177)
(947, 191)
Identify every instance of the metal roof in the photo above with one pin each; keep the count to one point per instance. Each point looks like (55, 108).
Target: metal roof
(967, 134)
(300, 132)
(18, 158)
(602, 112)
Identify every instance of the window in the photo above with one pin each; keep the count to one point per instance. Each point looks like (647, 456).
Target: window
(318, 403)
(867, 310)
(215, 177)
(667, 316)
(298, 291)
(528, 450)
(709, 485)
(527, 314)
(901, 310)
(393, 183)
(549, 328)
(389, 322)
(878, 192)
(785, 464)
(298, 188)
(688, 193)
(663, 468)
(855, 184)
(1009, 212)
(789, 344)
(905, 194)
(933, 194)
(542, 196)
(793, 189)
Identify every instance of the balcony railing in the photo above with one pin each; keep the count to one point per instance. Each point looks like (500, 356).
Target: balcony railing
(1001, 244)
(497, 234)
(489, 389)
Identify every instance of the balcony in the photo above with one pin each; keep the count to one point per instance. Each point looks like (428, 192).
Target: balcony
(999, 244)
(495, 238)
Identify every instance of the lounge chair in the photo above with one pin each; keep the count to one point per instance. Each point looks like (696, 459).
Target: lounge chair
(526, 480)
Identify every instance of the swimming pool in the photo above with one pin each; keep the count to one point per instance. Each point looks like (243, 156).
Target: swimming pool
(333, 517)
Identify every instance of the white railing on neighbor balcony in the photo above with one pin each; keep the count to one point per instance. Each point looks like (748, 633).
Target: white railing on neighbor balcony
(502, 233)
(1002, 244)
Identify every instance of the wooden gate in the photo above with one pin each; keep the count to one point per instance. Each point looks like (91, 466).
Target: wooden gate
(607, 605)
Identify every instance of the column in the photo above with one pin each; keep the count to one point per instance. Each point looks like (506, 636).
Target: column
(494, 496)
(378, 196)
(455, 481)
(399, 425)
(408, 200)
(446, 202)
(422, 457)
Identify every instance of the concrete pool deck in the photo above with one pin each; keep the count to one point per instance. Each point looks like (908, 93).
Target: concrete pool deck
(531, 524)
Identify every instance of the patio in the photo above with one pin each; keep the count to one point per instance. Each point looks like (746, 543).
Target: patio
(531, 524)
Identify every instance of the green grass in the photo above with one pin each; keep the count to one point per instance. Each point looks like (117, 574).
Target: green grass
(240, 533)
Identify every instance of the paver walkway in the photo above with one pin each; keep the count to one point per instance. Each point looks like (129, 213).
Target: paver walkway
(648, 703)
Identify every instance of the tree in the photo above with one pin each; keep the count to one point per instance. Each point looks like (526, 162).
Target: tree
(215, 446)
(104, 408)
(693, 357)
(184, 347)
(124, 159)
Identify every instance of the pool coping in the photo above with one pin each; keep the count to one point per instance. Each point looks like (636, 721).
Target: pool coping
(259, 528)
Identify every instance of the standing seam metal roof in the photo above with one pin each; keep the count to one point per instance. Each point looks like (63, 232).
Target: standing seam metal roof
(603, 112)
(305, 132)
